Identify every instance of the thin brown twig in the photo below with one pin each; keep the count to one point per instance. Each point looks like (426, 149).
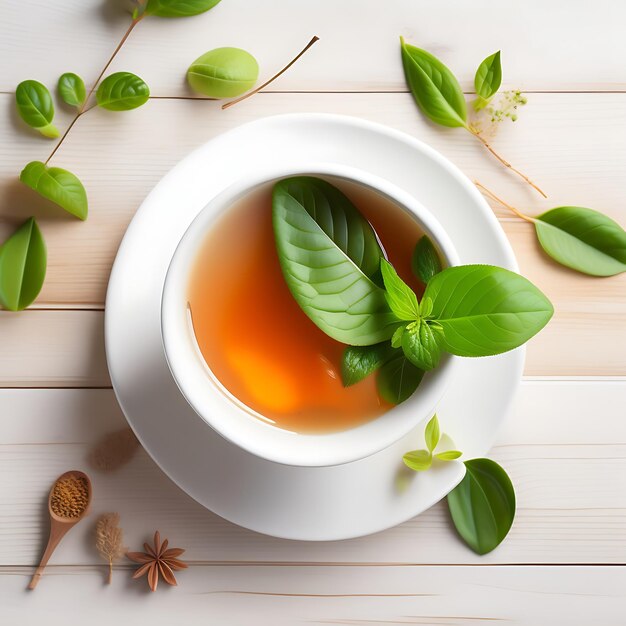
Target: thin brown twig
(504, 161)
(273, 78)
(82, 110)
(493, 196)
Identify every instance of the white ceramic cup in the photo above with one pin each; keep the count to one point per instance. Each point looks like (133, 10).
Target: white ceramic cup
(229, 416)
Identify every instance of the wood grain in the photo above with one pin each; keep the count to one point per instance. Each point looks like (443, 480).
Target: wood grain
(566, 458)
(552, 46)
(135, 149)
(350, 596)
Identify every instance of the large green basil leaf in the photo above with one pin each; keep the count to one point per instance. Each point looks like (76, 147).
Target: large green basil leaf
(421, 344)
(397, 379)
(487, 80)
(122, 91)
(434, 87)
(58, 185)
(178, 8)
(486, 310)
(34, 104)
(72, 89)
(482, 505)
(358, 362)
(425, 261)
(22, 266)
(583, 239)
(223, 73)
(328, 253)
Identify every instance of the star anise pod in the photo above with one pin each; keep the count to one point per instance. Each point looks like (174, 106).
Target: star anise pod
(157, 560)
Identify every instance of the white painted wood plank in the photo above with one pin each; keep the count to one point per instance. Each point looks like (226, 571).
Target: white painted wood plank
(240, 596)
(53, 349)
(546, 46)
(564, 447)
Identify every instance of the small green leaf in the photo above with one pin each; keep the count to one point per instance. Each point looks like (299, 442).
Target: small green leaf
(178, 8)
(487, 80)
(486, 310)
(34, 104)
(482, 505)
(223, 73)
(57, 185)
(422, 345)
(426, 307)
(360, 361)
(22, 266)
(418, 460)
(435, 88)
(328, 253)
(583, 239)
(72, 89)
(396, 339)
(122, 91)
(448, 455)
(397, 379)
(425, 261)
(400, 297)
(432, 433)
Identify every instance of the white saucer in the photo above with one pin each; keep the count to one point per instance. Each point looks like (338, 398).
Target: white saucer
(296, 503)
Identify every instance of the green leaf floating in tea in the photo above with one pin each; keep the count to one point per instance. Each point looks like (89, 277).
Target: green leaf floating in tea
(425, 262)
(330, 256)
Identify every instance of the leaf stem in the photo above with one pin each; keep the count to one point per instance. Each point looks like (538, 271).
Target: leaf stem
(493, 196)
(110, 576)
(273, 78)
(82, 110)
(502, 160)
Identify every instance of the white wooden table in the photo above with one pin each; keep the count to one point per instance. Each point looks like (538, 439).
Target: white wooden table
(564, 445)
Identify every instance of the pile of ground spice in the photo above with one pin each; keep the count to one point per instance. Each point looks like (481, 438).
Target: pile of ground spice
(70, 496)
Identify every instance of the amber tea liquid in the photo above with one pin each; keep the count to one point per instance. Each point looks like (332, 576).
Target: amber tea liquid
(255, 338)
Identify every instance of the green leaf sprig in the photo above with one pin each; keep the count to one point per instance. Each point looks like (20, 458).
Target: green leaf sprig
(579, 238)
(23, 260)
(333, 265)
(439, 96)
(482, 505)
(422, 460)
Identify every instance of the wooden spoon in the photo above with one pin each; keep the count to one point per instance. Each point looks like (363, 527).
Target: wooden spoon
(59, 525)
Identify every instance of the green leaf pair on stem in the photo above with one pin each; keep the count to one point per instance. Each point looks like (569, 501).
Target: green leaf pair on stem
(582, 239)
(439, 96)
(421, 460)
